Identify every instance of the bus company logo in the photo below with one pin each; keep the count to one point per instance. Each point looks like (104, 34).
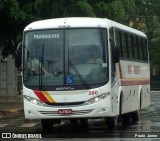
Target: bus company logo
(64, 88)
(65, 99)
(6, 135)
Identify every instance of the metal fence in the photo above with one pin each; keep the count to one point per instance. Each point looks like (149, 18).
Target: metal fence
(155, 85)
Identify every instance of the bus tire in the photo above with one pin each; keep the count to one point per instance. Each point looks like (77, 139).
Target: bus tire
(79, 124)
(111, 122)
(136, 115)
(47, 124)
(126, 119)
(74, 123)
(84, 124)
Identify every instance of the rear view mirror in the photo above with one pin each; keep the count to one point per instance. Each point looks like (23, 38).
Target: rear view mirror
(115, 54)
(18, 56)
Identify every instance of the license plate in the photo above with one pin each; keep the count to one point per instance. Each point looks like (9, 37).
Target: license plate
(65, 111)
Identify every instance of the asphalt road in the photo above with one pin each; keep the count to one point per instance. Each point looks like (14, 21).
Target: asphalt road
(149, 123)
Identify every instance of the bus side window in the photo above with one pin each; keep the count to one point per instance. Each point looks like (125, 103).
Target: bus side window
(135, 48)
(145, 50)
(121, 45)
(124, 46)
(140, 44)
(119, 42)
(130, 46)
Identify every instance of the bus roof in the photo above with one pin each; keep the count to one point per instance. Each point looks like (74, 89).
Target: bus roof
(79, 22)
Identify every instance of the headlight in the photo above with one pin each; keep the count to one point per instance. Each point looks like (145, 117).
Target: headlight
(97, 98)
(34, 101)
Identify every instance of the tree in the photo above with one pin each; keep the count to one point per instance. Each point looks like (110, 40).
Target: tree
(63, 8)
(15, 16)
(154, 58)
(108, 9)
(146, 18)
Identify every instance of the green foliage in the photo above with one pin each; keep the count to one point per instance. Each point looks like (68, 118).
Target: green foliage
(140, 14)
(14, 19)
(101, 9)
(62, 8)
(155, 55)
(82, 8)
(116, 11)
(109, 9)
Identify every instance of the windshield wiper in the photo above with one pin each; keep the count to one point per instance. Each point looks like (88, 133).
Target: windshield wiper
(41, 61)
(79, 75)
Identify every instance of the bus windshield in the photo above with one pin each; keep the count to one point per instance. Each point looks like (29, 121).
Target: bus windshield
(65, 57)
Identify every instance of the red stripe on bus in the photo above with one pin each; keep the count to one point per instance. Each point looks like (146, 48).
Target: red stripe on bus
(134, 82)
(41, 96)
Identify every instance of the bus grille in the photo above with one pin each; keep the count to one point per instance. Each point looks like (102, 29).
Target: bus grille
(66, 104)
(55, 113)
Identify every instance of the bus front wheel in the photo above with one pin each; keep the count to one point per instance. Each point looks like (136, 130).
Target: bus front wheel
(47, 124)
(79, 123)
(135, 116)
(125, 119)
(112, 122)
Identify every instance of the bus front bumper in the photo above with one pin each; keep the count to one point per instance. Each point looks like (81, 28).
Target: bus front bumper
(96, 110)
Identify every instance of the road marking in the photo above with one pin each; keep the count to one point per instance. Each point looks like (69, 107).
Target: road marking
(29, 124)
(3, 125)
(15, 110)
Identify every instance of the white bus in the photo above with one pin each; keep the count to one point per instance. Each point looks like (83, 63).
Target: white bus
(84, 68)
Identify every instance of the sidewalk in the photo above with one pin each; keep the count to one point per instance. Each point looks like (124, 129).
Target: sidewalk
(11, 106)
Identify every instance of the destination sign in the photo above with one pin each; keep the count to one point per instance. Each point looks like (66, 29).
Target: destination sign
(46, 36)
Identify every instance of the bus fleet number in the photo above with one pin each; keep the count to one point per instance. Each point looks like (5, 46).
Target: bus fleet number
(93, 92)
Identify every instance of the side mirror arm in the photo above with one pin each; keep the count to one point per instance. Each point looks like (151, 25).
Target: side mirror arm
(115, 54)
(18, 56)
(115, 51)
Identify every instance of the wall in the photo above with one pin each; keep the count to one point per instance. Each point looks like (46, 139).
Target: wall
(8, 78)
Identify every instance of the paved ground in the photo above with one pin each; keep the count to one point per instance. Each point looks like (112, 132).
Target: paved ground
(149, 123)
(10, 106)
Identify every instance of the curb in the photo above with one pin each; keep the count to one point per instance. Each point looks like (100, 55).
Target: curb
(10, 113)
